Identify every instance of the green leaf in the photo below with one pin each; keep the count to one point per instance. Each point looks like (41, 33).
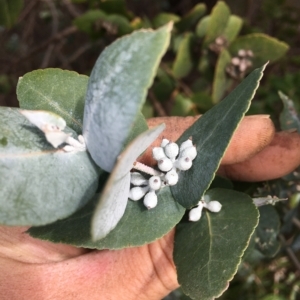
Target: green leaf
(164, 18)
(9, 12)
(86, 21)
(202, 26)
(117, 90)
(192, 17)
(288, 117)
(55, 90)
(137, 227)
(211, 134)
(183, 63)
(267, 231)
(113, 200)
(39, 184)
(114, 7)
(221, 81)
(233, 28)
(219, 18)
(95, 22)
(264, 47)
(182, 106)
(207, 253)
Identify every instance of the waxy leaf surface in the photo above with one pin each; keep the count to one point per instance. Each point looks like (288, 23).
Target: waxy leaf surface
(39, 184)
(55, 90)
(211, 135)
(137, 227)
(207, 253)
(117, 89)
(113, 200)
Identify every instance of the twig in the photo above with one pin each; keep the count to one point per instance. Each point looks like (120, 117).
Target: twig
(157, 105)
(290, 252)
(60, 35)
(79, 52)
(146, 169)
(71, 8)
(27, 9)
(181, 84)
(48, 52)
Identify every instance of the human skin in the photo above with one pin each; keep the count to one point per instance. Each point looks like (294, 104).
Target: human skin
(34, 269)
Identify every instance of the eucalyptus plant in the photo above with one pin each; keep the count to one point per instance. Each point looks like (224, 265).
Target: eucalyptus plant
(66, 160)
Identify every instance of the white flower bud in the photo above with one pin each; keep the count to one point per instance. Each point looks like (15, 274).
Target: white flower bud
(165, 164)
(242, 53)
(243, 65)
(235, 61)
(183, 163)
(195, 213)
(190, 152)
(249, 53)
(150, 200)
(213, 206)
(137, 178)
(171, 150)
(164, 142)
(171, 178)
(186, 144)
(138, 192)
(69, 148)
(155, 183)
(158, 153)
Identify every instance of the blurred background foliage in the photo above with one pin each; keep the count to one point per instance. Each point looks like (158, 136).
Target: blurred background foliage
(214, 46)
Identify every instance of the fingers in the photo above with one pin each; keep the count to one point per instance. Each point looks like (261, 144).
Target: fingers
(18, 246)
(143, 273)
(251, 136)
(279, 158)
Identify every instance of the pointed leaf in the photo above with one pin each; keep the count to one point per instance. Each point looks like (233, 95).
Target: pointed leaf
(264, 47)
(221, 80)
(117, 89)
(233, 28)
(207, 253)
(211, 134)
(39, 184)
(137, 227)
(192, 17)
(164, 18)
(113, 200)
(183, 63)
(288, 118)
(111, 207)
(59, 91)
(202, 26)
(217, 23)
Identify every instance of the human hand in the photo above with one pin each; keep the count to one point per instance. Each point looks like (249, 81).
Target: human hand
(35, 269)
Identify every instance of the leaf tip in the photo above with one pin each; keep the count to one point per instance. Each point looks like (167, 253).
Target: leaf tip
(169, 26)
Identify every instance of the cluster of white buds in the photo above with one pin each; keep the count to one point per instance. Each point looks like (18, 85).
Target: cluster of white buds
(171, 159)
(240, 64)
(196, 212)
(145, 187)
